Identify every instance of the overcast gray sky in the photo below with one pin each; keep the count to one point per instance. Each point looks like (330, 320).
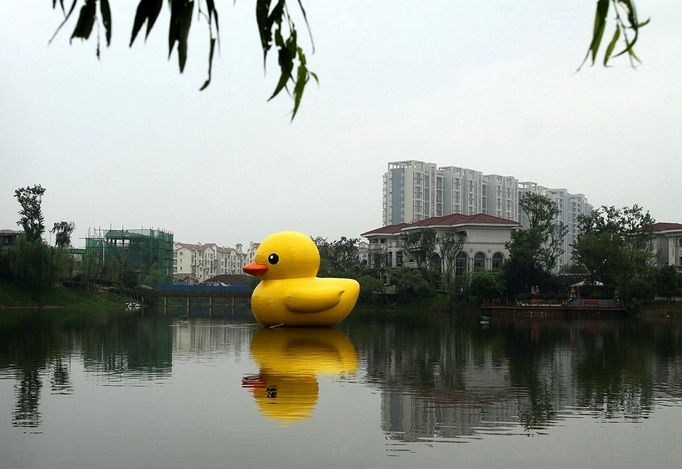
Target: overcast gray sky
(128, 141)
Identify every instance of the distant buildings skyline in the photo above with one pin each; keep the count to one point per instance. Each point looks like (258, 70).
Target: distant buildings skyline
(203, 261)
(414, 190)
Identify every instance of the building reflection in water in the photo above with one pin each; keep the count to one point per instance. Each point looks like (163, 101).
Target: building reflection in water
(456, 379)
(290, 360)
(204, 337)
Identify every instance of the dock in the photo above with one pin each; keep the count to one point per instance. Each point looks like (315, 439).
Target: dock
(578, 306)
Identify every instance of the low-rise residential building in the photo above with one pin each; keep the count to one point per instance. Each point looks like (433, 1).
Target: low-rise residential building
(667, 244)
(484, 242)
(204, 261)
(7, 237)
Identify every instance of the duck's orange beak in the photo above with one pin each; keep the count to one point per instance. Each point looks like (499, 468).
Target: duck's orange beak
(255, 268)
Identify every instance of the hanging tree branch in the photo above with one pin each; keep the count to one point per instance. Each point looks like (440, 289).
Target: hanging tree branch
(276, 28)
(277, 31)
(627, 25)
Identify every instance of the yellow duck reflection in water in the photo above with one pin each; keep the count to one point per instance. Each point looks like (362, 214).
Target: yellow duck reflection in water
(289, 293)
(286, 389)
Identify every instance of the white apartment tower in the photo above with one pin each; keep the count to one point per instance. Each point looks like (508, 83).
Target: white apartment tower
(461, 190)
(413, 190)
(500, 196)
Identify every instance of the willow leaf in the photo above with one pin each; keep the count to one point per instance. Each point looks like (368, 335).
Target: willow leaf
(262, 13)
(612, 45)
(599, 26)
(302, 78)
(210, 65)
(106, 19)
(147, 11)
(86, 20)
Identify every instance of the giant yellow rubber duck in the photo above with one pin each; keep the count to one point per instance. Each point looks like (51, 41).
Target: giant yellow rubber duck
(289, 293)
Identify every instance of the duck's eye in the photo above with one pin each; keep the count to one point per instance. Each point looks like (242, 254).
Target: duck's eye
(273, 258)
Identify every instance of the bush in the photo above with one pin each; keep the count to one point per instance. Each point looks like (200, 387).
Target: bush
(487, 285)
(410, 283)
(33, 265)
(634, 291)
(368, 286)
(668, 281)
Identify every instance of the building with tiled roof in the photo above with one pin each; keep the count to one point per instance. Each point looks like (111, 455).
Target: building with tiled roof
(485, 237)
(667, 244)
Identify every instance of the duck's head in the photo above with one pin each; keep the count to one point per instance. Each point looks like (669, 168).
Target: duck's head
(287, 254)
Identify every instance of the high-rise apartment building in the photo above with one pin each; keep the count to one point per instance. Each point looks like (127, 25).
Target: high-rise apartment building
(500, 196)
(461, 190)
(414, 190)
(570, 206)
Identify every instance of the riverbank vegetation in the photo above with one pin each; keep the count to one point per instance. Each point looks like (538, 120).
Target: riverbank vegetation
(15, 296)
(612, 255)
(33, 273)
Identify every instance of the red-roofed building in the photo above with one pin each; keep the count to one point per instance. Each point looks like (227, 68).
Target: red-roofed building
(667, 244)
(484, 236)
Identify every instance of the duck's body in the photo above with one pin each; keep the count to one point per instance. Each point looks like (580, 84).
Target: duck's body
(304, 301)
(289, 293)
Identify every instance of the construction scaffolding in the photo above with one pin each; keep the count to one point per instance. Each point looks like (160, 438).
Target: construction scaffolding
(145, 253)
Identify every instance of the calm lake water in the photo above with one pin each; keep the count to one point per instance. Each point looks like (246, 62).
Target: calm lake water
(133, 390)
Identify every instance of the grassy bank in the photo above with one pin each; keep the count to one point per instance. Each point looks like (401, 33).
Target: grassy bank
(14, 296)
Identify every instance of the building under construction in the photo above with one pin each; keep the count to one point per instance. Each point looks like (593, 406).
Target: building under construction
(146, 253)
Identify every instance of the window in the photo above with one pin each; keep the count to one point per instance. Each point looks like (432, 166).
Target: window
(498, 260)
(479, 261)
(461, 263)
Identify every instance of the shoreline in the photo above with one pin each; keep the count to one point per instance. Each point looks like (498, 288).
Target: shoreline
(14, 297)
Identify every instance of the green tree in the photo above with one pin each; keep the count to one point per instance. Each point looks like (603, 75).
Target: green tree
(449, 245)
(668, 281)
(62, 231)
(533, 252)
(421, 245)
(339, 258)
(277, 30)
(31, 220)
(614, 246)
(34, 265)
(545, 235)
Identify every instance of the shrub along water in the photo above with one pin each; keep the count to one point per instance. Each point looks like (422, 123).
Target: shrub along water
(33, 265)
